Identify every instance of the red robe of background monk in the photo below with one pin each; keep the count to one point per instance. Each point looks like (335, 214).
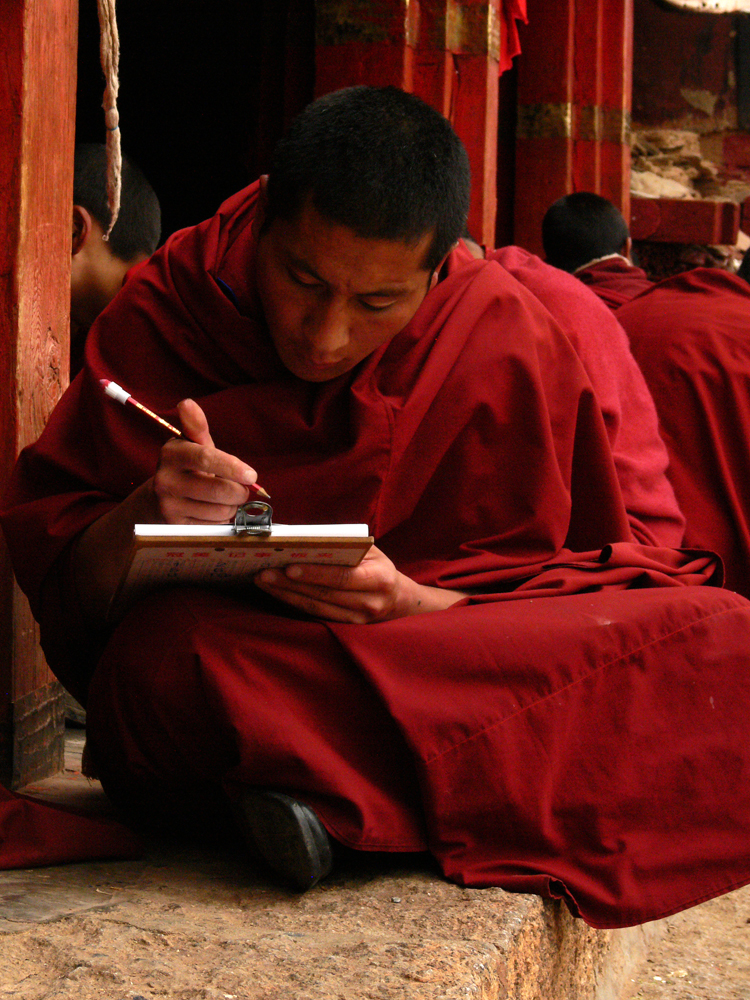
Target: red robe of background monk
(691, 336)
(509, 681)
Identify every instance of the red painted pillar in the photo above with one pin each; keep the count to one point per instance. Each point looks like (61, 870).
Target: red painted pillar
(37, 119)
(364, 43)
(574, 94)
(544, 132)
(617, 93)
(474, 42)
(445, 51)
(587, 95)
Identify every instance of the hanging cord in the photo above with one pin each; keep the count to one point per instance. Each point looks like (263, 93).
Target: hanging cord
(110, 58)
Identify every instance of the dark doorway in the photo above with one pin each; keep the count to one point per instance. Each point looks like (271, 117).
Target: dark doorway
(206, 89)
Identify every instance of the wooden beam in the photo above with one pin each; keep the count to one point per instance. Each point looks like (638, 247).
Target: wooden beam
(37, 135)
(675, 220)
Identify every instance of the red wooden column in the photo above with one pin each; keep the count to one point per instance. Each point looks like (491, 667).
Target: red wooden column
(587, 95)
(474, 42)
(617, 93)
(574, 94)
(544, 131)
(370, 43)
(445, 51)
(37, 116)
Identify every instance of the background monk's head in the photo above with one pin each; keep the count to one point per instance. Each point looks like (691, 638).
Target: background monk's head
(368, 193)
(99, 266)
(582, 227)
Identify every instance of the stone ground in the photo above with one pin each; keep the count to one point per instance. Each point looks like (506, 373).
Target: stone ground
(196, 923)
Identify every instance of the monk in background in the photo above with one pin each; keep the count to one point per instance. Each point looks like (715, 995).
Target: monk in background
(587, 236)
(508, 680)
(689, 334)
(98, 266)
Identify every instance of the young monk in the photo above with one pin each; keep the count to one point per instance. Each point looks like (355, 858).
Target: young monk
(485, 685)
(587, 236)
(99, 266)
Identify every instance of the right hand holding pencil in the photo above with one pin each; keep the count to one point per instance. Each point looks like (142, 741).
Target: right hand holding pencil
(195, 482)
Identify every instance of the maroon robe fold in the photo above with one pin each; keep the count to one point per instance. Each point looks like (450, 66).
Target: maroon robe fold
(629, 413)
(474, 447)
(691, 336)
(33, 834)
(615, 280)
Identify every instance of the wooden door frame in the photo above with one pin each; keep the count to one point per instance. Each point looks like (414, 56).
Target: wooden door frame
(37, 140)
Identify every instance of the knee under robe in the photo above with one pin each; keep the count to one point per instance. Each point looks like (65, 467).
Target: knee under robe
(590, 747)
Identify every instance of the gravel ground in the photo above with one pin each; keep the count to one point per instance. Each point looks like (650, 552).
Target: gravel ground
(705, 954)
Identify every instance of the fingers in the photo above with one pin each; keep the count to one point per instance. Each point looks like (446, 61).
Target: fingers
(354, 607)
(205, 460)
(194, 423)
(195, 482)
(365, 593)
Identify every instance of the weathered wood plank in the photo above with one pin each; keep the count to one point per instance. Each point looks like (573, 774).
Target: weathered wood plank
(37, 120)
(674, 220)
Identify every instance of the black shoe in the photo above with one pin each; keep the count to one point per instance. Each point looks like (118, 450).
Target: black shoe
(286, 835)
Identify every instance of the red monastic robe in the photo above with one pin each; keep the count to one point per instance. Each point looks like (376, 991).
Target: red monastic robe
(629, 413)
(577, 728)
(615, 280)
(34, 834)
(691, 336)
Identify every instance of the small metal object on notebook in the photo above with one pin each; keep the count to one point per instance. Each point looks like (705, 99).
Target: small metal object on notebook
(253, 518)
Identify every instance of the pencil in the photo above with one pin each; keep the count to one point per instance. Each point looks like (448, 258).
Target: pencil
(122, 396)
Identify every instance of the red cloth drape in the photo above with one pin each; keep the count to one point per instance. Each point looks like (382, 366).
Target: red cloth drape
(615, 281)
(510, 45)
(690, 334)
(33, 834)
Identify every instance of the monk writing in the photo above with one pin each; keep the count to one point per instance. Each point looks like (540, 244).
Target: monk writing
(468, 689)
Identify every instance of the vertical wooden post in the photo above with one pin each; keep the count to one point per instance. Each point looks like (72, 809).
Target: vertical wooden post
(445, 51)
(617, 95)
(37, 117)
(364, 43)
(474, 41)
(587, 95)
(544, 133)
(574, 96)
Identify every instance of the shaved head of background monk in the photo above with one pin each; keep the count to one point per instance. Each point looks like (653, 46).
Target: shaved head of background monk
(587, 236)
(582, 227)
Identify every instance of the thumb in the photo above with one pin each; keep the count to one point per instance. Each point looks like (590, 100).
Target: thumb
(194, 423)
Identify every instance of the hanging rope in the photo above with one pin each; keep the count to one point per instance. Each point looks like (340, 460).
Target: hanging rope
(110, 58)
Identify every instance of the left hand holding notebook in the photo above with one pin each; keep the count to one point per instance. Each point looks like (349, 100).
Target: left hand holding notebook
(373, 591)
(195, 482)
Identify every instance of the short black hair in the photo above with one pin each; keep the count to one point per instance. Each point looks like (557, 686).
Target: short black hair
(379, 161)
(138, 226)
(581, 227)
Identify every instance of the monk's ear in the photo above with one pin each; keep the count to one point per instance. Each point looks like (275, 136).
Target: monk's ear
(82, 225)
(435, 276)
(627, 249)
